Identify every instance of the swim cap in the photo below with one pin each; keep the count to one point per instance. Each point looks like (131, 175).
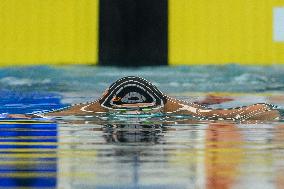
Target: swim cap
(132, 93)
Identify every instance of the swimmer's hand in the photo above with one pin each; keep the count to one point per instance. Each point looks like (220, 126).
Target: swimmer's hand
(252, 112)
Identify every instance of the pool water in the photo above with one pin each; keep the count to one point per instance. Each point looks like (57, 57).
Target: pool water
(132, 153)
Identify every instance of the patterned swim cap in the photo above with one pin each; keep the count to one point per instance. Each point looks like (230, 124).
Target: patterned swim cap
(132, 93)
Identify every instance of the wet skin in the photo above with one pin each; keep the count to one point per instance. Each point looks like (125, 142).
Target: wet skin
(135, 95)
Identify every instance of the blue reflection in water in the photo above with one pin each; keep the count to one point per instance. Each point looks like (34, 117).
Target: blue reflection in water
(28, 156)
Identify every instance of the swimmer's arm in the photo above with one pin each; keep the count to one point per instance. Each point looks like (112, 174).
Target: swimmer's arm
(21, 116)
(77, 110)
(71, 111)
(80, 109)
(252, 112)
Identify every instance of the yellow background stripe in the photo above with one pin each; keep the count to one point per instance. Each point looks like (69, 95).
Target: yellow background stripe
(223, 31)
(200, 32)
(48, 31)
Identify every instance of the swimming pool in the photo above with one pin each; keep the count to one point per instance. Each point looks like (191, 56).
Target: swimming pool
(79, 152)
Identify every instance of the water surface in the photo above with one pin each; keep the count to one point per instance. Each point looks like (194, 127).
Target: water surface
(79, 152)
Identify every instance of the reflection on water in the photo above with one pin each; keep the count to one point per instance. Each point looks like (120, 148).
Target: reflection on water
(28, 155)
(180, 155)
(132, 133)
(223, 155)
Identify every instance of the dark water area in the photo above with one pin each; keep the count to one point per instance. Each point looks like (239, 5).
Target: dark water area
(139, 152)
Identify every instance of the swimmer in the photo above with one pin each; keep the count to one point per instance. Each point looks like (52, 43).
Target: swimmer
(135, 95)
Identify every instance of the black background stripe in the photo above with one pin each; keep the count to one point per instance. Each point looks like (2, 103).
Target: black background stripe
(133, 32)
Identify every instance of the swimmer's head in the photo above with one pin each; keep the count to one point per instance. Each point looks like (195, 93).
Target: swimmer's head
(132, 92)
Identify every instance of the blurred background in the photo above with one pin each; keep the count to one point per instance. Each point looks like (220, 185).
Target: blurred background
(136, 33)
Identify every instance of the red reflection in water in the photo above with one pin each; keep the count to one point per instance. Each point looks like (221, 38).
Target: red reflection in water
(223, 155)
